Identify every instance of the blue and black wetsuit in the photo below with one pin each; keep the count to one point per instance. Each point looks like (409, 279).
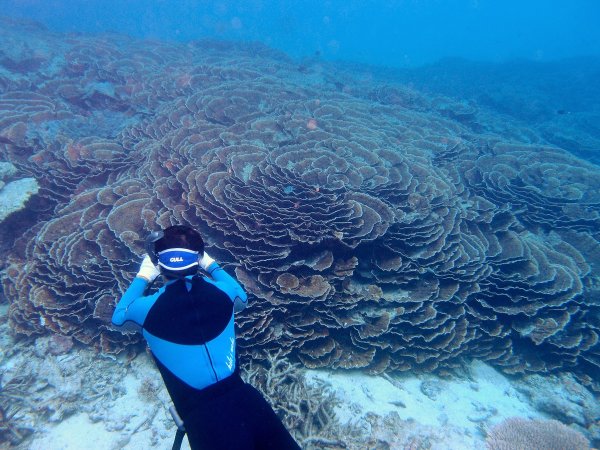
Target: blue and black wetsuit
(189, 327)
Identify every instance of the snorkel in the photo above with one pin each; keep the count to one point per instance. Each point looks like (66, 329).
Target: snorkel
(150, 250)
(149, 245)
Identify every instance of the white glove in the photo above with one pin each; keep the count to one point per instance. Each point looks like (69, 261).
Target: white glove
(206, 261)
(148, 271)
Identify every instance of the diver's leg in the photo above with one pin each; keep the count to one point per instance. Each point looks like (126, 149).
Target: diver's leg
(219, 425)
(269, 431)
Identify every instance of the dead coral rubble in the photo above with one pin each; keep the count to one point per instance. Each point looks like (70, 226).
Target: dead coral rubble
(45, 381)
(307, 410)
(374, 227)
(14, 428)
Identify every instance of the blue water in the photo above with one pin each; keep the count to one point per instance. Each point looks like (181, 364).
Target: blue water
(393, 33)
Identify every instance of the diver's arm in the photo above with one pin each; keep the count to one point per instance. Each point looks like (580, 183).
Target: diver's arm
(128, 308)
(230, 285)
(226, 282)
(124, 310)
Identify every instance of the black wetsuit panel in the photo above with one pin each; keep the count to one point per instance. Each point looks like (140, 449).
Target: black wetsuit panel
(235, 416)
(189, 317)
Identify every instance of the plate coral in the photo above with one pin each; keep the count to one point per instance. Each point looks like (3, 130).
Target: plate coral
(374, 226)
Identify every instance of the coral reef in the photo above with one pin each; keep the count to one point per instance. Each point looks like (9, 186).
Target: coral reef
(517, 432)
(375, 227)
(558, 99)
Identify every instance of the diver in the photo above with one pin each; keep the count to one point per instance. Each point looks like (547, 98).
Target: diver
(189, 327)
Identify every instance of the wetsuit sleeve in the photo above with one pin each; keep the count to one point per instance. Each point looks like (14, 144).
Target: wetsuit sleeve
(133, 305)
(229, 285)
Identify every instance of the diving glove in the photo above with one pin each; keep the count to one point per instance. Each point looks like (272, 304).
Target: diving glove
(206, 261)
(148, 271)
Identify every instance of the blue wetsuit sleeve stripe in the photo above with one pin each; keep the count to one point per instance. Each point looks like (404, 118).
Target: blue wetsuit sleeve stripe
(128, 308)
(229, 284)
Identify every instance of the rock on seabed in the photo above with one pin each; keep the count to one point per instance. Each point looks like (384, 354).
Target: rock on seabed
(14, 195)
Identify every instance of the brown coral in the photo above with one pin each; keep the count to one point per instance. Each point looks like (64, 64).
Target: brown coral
(373, 227)
(517, 432)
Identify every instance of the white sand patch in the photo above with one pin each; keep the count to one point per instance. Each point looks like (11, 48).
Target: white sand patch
(465, 405)
(75, 433)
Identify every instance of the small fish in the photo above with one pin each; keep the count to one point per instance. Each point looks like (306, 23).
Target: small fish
(398, 403)
(563, 112)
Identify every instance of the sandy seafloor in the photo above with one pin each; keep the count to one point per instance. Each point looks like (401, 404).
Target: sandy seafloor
(83, 400)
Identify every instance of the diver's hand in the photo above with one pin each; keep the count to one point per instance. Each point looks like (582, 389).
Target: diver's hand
(148, 271)
(206, 261)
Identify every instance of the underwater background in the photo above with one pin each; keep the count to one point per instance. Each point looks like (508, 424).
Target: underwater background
(408, 190)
